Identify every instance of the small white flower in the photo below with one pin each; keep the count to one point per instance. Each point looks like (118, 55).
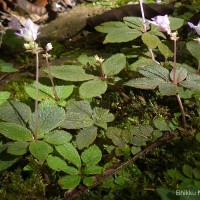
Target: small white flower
(98, 59)
(162, 22)
(29, 32)
(197, 28)
(198, 40)
(49, 47)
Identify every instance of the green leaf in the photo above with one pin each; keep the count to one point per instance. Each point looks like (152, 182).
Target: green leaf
(164, 49)
(91, 156)
(175, 23)
(15, 132)
(57, 137)
(17, 148)
(167, 194)
(115, 134)
(150, 40)
(69, 152)
(84, 59)
(80, 107)
(114, 64)
(45, 93)
(175, 174)
(191, 84)
(70, 73)
(198, 137)
(110, 26)
(135, 150)
(134, 22)
(93, 88)
(7, 160)
(146, 130)
(57, 164)
(88, 181)
(69, 182)
(196, 173)
(102, 117)
(168, 89)
(181, 74)
(161, 124)
(48, 119)
(188, 171)
(6, 67)
(76, 121)
(15, 112)
(40, 150)
(86, 137)
(194, 48)
(156, 71)
(3, 97)
(145, 83)
(92, 170)
(138, 141)
(142, 62)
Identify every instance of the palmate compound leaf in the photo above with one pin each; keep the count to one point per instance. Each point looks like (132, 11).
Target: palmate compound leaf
(114, 64)
(70, 73)
(79, 115)
(145, 83)
(15, 132)
(45, 92)
(93, 88)
(86, 137)
(180, 74)
(17, 148)
(40, 150)
(194, 48)
(4, 95)
(150, 40)
(91, 156)
(58, 164)
(102, 117)
(48, 119)
(15, 112)
(57, 137)
(69, 182)
(69, 152)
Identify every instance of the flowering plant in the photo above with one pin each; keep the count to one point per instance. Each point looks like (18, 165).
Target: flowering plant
(197, 28)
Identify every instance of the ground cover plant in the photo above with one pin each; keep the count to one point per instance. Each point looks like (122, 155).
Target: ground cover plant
(101, 123)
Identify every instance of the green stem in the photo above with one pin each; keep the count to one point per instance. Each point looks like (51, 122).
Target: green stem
(51, 78)
(182, 111)
(199, 67)
(36, 96)
(174, 67)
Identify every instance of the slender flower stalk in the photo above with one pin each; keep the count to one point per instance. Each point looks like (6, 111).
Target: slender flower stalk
(36, 96)
(175, 38)
(145, 27)
(46, 55)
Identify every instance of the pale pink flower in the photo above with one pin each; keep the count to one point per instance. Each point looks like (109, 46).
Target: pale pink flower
(162, 22)
(197, 28)
(29, 32)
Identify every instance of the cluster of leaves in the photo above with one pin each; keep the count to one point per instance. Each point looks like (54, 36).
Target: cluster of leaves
(73, 134)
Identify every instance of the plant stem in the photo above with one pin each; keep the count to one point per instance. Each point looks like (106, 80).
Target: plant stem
(145, 27)
(174, 67)
(36, 96)
(182, 111)
(51, 78)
